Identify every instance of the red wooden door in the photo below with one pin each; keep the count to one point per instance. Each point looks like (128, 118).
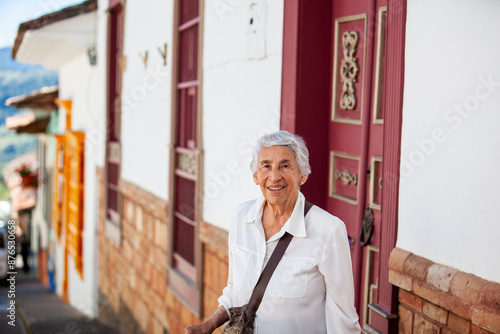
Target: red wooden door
(356, 137)
(185, 278)
(113, 156)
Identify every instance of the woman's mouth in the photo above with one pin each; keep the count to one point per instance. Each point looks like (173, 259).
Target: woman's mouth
(276, 188)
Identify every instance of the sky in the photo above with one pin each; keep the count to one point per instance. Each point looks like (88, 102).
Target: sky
(14, 12)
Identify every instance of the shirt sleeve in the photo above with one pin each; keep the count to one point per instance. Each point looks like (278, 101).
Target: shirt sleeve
(336, 267)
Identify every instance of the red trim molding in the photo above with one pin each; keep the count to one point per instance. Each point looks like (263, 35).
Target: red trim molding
(393, 95)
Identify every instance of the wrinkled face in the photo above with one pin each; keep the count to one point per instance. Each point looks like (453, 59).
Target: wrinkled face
(278, 175)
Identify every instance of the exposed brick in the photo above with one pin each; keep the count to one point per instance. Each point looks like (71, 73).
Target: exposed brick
(455, 305)
(467, 286)
(146, 248)
(138, 219)
(405, 320)
(149, 227)
(424, 326)
(157, 328)
(400, 280)
(159, 259)
(139, 263)
(158, 306)
(159, 283)
(417, 266)
(162, 315)
(486, 320)
(478, 330)
(214, 238)
(435, 312)
(147, 272)
(397, 259)
(161, 235)
(459, 325)
(490, 296)
(169, 297)
(175, 323)
(223, 274)
(410, 300)
(440, 276)
(141, 314)
(132, 278)
(210, 303)
(127, 251)
(426, 291)
(186, 317)
(209, 269)
(129, 209)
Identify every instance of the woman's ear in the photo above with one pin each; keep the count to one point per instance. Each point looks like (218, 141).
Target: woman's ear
(303, 180)
(255, 178)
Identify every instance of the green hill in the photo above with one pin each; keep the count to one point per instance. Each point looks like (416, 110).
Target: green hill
(17, 79)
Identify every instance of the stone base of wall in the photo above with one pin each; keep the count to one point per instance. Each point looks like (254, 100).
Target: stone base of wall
(438, 299)
(133, 292)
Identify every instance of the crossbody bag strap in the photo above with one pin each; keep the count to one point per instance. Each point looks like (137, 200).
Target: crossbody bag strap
(265, 276)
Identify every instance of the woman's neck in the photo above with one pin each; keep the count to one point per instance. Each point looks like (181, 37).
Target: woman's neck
(280, 212)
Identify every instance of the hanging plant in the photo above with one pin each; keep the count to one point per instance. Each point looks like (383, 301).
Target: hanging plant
(29, 178)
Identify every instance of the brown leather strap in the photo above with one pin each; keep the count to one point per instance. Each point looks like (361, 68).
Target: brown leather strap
(265, 276)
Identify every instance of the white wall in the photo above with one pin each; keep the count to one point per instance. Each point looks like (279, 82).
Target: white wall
(146, 95)
(449, 194)
(78, 82)
(96, 138)
(241, 97)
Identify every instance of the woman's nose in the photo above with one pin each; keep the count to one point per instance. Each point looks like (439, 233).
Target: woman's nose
(275, 175)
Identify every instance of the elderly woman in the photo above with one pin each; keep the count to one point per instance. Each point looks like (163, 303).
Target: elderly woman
(311, 289)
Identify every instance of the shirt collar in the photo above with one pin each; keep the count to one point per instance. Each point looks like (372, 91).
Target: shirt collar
(295, 225)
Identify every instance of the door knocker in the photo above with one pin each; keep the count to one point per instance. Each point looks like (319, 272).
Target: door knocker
(366, 228)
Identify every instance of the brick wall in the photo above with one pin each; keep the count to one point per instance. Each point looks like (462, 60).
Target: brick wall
(437, 299)
(215, 266)
(133, 293)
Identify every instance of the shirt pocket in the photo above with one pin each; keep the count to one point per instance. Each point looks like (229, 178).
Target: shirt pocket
(291, 277)
(241, 262)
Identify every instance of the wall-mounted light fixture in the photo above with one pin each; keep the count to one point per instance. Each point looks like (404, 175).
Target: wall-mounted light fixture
(92, 53)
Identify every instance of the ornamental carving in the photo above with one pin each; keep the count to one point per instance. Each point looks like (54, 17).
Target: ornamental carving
(114, 152)
(349, 70)
(188, 163)
(346, 177)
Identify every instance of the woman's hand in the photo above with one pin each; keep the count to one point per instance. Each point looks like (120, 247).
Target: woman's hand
(208, 326)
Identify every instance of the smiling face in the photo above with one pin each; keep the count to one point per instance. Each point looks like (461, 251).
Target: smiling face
(278, 175)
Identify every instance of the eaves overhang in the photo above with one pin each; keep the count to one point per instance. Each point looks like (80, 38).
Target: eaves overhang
(58, 37)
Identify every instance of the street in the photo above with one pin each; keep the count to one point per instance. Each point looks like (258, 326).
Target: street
(9, 324)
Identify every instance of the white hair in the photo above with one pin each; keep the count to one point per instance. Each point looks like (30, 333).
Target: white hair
(285, 139)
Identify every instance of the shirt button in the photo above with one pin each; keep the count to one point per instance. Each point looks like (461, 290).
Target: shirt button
(237, 251)
(257, 272)
(263, 247)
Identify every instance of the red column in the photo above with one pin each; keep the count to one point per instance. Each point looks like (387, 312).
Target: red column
(305, 95)
(393, 90)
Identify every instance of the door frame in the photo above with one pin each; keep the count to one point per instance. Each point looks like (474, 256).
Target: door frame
(303, 86)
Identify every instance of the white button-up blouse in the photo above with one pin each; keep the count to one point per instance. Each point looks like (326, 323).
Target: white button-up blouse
(311, 290)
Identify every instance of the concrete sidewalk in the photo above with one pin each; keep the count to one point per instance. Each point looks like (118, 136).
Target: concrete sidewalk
(43, 312)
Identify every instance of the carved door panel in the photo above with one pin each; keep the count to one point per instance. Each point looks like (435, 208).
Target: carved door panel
(356, 137)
